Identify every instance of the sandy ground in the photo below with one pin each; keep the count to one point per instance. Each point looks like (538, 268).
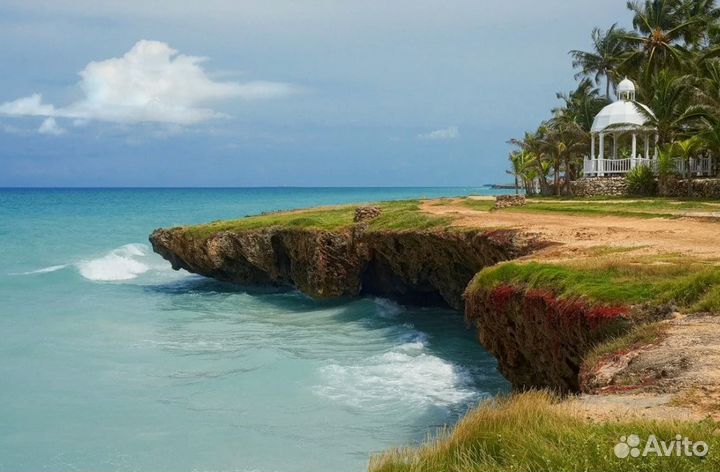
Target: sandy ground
(679, 375)
(690, 235)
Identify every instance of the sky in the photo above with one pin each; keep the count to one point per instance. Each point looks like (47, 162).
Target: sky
(279, 92)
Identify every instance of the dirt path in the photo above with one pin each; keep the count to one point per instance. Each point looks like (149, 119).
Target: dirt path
(689, 236)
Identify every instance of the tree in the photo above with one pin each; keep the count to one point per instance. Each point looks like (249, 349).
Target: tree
(581, 105)
(702, 16)
(674, 111)
(660, 28)
(603, 61)
(710, 139)
(523, 169)
(686, 150)
(532, 144)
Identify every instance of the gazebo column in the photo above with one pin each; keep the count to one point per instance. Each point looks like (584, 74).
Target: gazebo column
(633, 155)
(655, 152)
(647, 145)
(615, 145)
(592, 168)
(601, 156)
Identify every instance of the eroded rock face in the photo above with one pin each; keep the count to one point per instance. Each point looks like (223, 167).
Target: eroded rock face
(319, 263)
(416, 267)
(538, 340)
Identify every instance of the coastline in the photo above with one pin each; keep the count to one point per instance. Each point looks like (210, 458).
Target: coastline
(568, 270)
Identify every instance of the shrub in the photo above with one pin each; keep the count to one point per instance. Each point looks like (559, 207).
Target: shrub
(641, 181)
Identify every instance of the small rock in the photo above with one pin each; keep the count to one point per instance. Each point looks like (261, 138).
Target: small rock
(366, 213)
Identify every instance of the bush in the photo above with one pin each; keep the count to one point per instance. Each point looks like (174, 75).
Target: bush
(641, 181)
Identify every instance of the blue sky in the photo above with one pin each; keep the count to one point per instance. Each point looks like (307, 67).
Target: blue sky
(289, 93)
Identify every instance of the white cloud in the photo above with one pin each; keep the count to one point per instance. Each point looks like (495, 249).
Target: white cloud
(150, 83)
(451, 132)
(27, 106)
(50, 126)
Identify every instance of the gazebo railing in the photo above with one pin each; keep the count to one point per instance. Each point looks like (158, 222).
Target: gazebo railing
(698, 166)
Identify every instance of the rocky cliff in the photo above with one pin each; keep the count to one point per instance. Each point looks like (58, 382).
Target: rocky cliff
(412, 266)
(540, 341)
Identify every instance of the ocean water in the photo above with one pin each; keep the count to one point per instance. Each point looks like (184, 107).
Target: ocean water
(109, 360)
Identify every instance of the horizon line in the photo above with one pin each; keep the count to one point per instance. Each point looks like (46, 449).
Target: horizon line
(239, 187)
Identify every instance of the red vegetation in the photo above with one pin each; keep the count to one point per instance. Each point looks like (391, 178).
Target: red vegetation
(538, 339)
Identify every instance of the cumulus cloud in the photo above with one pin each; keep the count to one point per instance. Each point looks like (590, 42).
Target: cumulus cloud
(441, 134)
(150, 83)
(50, 126)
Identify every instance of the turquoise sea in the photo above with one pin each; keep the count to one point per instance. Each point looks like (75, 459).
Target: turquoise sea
(109, 360)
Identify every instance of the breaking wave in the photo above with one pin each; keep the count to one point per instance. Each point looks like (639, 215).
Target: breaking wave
(123, 263)
(407, 374)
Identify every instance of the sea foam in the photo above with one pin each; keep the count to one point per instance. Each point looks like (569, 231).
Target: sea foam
(44, 270)
(123, 263)
(407, 374)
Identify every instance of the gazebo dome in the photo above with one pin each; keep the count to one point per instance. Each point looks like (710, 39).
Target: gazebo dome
(626, 85)
(624, 114)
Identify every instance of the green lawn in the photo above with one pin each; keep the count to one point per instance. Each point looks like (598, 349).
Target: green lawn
(644, 208)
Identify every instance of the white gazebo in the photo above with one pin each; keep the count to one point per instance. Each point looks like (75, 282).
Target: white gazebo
(622, 120)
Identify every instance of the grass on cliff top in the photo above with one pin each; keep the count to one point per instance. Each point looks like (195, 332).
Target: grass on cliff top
(692, 285)
(530, 432)
(607, 206)
(396, 215)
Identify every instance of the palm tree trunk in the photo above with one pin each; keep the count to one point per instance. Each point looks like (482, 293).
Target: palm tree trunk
(607, 86)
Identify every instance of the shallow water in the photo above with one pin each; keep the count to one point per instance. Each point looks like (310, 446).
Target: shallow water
(109, 360)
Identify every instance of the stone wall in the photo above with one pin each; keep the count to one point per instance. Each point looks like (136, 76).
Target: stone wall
(504, 201)
(609, 186)
(701, 188)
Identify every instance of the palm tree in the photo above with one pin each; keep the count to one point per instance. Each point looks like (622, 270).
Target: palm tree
(522, 169)
(581, 105)
(704, 14)
(660, 29)
(563, 144)
(686, 150)
(533, 144)
(674, 111)
(708, 85)
(604, 59)
(710, 138)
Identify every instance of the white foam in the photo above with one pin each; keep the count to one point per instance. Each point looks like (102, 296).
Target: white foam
(387, 308)
(122, 263)
(44, 270)
(406, 374)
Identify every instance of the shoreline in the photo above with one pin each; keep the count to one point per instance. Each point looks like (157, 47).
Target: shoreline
(545, 256)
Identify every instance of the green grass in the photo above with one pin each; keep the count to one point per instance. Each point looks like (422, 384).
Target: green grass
(406, 215)
(396, 215)
(320, 218)
(479, 205)
(530, 432)
(692, 285)
(639, 335)
(641, 208)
